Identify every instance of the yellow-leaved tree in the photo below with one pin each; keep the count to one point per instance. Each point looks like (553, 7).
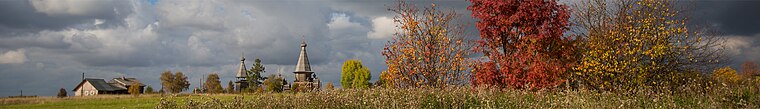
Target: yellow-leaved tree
(628, 45)
(726, 76)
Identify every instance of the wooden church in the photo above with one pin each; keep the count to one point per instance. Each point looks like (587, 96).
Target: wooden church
(304, 76)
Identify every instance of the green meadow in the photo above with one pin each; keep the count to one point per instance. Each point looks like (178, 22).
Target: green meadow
(94, 102)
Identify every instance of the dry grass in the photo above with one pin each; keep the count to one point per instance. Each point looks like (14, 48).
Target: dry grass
(474, 98)
(92, 102)
(52, 99)
(745, 96)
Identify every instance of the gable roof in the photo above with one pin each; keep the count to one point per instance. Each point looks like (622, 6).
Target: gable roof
(125, 81)
(99, 84)
(117, 86)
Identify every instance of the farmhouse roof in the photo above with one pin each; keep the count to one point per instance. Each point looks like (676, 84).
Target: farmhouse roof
(125, 81)
(99, 84)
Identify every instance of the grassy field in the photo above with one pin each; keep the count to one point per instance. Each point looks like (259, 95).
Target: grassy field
(474, 98)
(747, 97)
(95, 102)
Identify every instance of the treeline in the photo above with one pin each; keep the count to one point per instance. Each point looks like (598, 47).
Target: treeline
(254, 84)
(176, 82)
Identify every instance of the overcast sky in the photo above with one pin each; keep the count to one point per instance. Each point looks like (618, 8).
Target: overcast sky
(47, 44)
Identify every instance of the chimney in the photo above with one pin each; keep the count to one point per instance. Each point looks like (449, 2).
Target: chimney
(82, 75)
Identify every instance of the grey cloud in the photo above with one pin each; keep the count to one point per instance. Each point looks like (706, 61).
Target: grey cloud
(742, 48)
(22, 17)
(43, 39)
(195, 37)
(736, 22)
(732, 17)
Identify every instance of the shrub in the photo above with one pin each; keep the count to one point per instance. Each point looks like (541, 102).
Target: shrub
(62, 93)
(273, 83)
(149, 89)
(726, 76)
(134, 88)
(329, 86)
(296, 88)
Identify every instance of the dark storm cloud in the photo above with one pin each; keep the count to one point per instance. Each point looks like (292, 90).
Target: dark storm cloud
(52, 41)
(732, 17)
(20, 14)
(21, 17)
(737, 22)
(140, 39)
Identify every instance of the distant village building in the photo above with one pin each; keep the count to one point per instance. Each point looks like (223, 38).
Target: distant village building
(92, 86)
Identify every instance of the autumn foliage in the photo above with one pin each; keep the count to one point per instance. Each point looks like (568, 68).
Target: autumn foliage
(750, 69)
(212, 84)
(134, 88)
(639, 44)
(354, 75)
(427, 51)
(524, 43)
(726, 76)
(174, 82)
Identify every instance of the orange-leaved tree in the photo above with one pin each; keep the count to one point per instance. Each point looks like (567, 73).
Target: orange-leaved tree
(523, 42)
(428, 50)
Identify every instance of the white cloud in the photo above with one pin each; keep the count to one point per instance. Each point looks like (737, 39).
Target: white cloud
(74, 7)
(340, 21)
(735, 44)
(98, 22)
(13, 57)
(342, 28)
(382, 27)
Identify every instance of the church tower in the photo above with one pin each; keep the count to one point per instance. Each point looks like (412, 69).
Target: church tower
(241, 76)
(303, 75)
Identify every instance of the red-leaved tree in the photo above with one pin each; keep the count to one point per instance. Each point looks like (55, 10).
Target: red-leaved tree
(524, 43)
